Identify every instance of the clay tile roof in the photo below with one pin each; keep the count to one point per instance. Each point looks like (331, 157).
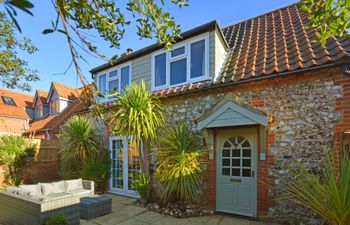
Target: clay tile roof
(65, 91)
(269, 44)
(277, 42)
(42, 95)
(53, 121)
(21, 100)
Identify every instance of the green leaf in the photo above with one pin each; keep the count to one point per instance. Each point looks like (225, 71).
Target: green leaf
(47, 31)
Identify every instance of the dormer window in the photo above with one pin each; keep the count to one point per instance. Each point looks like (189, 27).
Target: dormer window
(8, 100)
(187, 63)
(114, 80)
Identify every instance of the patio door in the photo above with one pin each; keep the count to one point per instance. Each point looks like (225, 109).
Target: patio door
(125, 165)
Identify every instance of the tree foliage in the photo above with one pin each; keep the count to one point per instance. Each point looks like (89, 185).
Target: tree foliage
(14, 71)
(329, 17)
(79, 19)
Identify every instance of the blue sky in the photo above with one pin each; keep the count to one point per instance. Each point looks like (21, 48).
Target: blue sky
(53, 56)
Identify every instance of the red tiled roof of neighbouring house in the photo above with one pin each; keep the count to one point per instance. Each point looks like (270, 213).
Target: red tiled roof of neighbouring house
(52, 121)
(65, 91)
(271, 44)
(21, 102)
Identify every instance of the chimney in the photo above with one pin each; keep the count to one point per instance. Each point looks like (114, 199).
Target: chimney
(128, 51)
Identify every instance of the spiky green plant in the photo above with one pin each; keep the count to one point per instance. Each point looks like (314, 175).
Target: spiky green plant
(139, 115)
(141, 183)
(78, 142)
(326, 194)
(178, 166)
(79, 139)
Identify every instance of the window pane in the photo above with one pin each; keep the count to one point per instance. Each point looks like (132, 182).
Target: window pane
(178, 51)
(113, 86)
(102, 83)
(246, 172)
(236, 172)
(178, 72)
(160, 70)
(226, 171)
(113, 73)
(197, 59)
(8, 100)
(124, 77)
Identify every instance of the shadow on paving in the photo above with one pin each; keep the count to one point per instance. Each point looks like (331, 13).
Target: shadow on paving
(125, 213)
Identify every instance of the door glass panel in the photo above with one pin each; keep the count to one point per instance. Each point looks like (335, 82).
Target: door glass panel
(240, 157)
(226, 171)
(117, 164)
(134, 167)
(236, 172)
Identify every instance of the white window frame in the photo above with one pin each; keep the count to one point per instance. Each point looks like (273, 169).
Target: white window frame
(187, 55)
(107, 97)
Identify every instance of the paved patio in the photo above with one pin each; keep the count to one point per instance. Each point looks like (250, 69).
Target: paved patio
(124, 213)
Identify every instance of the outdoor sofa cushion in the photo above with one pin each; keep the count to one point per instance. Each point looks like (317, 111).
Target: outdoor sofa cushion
(32, 189)
(71, 185)
(53, 188)
(55, 196)
(80, 192)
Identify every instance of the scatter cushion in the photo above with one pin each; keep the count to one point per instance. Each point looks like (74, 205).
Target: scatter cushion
(53, 188)
(33, 189)
(72, 185)
(80, 192)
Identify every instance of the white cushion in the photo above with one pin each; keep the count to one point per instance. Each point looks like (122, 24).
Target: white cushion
(53, 188)
(55, 196)
(34, 189)
(80, 192)
(72, 185)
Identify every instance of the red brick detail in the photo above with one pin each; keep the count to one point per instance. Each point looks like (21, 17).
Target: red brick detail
(12, 124)
(257, 102)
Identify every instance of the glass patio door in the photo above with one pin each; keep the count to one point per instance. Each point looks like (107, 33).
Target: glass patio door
(125, 165)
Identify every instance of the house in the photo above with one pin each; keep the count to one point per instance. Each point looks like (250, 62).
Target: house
(260, 93)
(52, 109)
(15, 112)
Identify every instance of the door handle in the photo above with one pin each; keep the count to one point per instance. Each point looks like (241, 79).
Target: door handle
(236, 180)
(253, 173)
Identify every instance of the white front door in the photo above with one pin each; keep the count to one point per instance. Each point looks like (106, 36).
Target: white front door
(125, 165)
(236, 171)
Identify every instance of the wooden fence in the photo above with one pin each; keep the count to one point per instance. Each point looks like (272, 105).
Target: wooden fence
(46, 163)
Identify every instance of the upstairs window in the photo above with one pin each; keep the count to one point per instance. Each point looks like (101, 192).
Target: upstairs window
(8, 100)
(187, 63)
(55, 106)
(39, 111)
(114, 80)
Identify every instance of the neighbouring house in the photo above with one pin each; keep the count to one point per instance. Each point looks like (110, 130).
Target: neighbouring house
(16, 110)
(52, 109)
(260, 93)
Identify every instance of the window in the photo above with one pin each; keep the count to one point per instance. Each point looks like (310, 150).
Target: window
(55, 106)
(186, 63)
(39, 111)
(8, 100)
(114, 80)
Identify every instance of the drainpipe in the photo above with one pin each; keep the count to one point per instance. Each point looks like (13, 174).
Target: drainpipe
(48, 135)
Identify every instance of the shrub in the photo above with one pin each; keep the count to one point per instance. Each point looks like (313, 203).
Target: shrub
(178, 167)
(141, 184)
(16, 153)
(56, 220)
(325, 193)
(97, 168)
(78, 142)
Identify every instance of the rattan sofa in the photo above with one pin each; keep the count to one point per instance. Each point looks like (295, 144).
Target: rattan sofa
(21, 209)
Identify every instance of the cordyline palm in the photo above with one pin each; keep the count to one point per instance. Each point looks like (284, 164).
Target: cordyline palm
(78, 138)
(178, 166)
(139, 115)
(328, 196)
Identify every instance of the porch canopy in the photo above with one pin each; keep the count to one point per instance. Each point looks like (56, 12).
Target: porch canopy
(228, 113)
